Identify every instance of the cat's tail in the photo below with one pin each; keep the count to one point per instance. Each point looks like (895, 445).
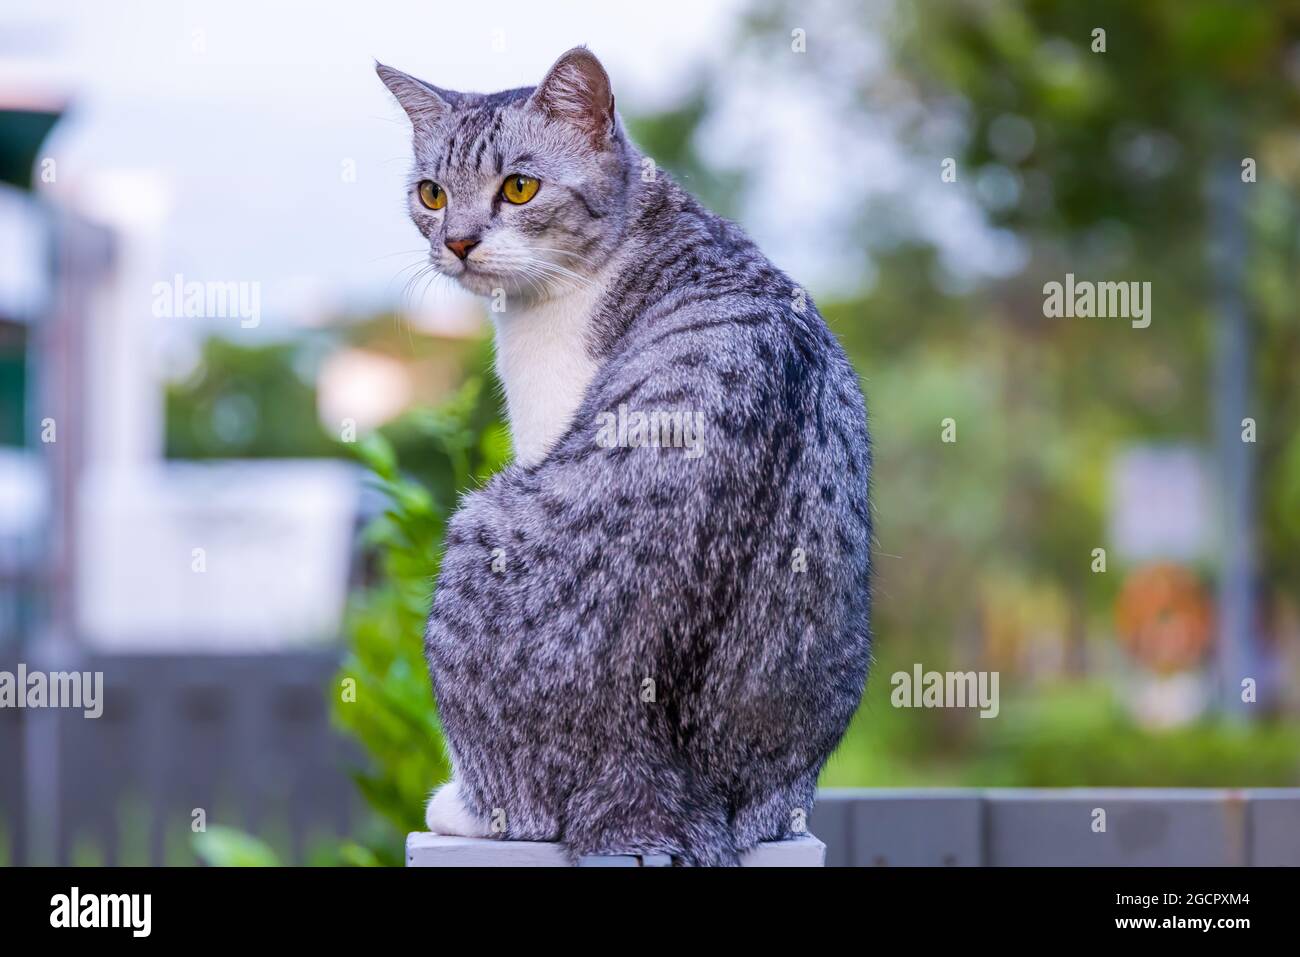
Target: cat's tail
(709, 847)
(692, 846)
(650, 820)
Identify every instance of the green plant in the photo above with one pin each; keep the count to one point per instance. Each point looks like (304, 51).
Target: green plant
(230, 847)
(1067, 734)
(382, 696)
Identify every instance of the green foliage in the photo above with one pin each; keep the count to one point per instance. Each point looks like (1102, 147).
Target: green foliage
(228, 847)
(1079, 736)
(1063, 735)
(382, 694)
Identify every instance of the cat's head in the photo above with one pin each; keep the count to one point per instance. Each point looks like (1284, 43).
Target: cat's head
(523, 190)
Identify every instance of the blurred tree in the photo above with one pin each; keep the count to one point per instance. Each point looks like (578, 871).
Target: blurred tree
(1143, 127)
(245, 402)
(669, 138)
(1088, 134)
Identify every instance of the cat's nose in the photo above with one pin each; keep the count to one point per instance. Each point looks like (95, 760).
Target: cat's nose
(461, 247)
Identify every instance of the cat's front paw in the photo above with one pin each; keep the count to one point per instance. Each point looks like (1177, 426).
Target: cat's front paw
(447, 814)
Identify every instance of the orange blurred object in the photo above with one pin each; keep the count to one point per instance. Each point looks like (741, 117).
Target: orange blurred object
(1164, 618)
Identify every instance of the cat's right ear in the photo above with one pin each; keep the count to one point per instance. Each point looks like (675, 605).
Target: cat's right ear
(423, 102)
(576, 90)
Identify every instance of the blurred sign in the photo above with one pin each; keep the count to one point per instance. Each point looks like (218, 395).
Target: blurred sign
(1159, 504)
(221, 556)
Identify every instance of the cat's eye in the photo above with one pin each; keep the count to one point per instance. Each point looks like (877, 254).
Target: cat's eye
(432, 195)
(519, 189)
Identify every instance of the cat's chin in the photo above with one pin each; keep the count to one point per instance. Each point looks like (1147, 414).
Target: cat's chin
(484, 283)
(491, 285)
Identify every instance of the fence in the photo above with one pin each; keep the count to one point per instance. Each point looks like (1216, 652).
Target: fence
(1084, 827)
(246, 740)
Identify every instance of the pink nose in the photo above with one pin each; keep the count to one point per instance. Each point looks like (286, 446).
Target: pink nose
(461, 247)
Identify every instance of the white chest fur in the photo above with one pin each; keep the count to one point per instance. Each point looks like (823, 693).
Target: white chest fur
(542, 360)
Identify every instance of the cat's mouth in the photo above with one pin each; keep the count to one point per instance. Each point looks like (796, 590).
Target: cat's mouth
(472, 271)
(460, 268)
(478, 277)
(467, 266)
(492, 276)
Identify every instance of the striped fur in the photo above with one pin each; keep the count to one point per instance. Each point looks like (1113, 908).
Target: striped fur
(633, 649)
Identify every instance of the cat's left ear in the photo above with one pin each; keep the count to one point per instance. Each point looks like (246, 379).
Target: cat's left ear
(576, 90)
(423, 102)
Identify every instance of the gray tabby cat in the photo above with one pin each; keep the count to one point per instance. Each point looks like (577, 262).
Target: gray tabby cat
(651, 630)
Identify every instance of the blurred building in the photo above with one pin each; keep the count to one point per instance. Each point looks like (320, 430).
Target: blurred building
(119, 547)
(52, 266)
(176, 581)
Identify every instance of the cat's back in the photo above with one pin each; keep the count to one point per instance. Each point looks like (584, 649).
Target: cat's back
(700, 324)
(699, 317)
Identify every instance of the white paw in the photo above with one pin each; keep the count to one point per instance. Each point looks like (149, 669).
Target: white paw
(447, 814)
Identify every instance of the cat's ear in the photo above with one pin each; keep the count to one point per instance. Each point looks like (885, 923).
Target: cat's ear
(423, 102)
(577, 90)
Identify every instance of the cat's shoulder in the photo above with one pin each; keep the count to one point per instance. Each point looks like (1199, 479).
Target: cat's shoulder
(740, 338)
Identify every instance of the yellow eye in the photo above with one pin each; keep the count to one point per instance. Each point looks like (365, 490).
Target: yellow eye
(519, 189)
(431, 194)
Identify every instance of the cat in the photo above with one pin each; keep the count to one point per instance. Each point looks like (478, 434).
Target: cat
(641, 642)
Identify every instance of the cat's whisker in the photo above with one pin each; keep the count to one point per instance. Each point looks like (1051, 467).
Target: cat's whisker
(565, 281)
(418, 266)
(404, 309)
(543, 283)
(554, 269)
(428, 274)
(430, 279)
(403, 297)
(538, 273)
(533, 278)
(563, 252)
(419, 271)
(538, 260)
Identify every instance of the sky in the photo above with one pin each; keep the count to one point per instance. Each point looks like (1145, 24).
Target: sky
(253, 143)
(251, 115)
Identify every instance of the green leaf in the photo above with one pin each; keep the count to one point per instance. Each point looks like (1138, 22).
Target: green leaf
(229, 847)
(355, 855)
(378, 455)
